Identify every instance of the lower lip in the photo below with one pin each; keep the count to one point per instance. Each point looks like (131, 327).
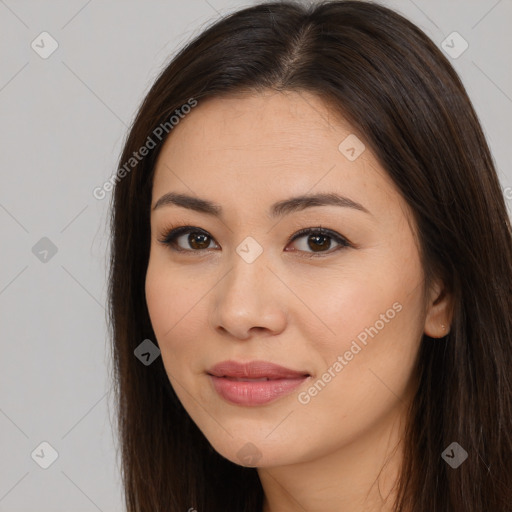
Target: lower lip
(254, 393)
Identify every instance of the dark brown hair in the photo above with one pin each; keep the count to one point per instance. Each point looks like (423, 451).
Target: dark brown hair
(395, 87)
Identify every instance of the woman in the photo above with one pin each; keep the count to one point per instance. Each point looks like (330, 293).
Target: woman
(307, 223)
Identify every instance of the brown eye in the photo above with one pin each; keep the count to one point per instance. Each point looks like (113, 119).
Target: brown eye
(319, 240)
(195, 241)
(198, 240)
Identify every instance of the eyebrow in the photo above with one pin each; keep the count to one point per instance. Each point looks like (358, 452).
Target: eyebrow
(278, 209)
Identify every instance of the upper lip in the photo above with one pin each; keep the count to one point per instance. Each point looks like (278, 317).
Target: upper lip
(254, 370)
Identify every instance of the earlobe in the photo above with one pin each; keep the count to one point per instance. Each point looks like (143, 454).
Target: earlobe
(439, 312)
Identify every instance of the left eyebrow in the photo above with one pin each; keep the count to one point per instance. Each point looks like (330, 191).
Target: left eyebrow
(278, 209)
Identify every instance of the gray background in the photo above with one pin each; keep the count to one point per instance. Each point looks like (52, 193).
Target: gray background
(63, 120)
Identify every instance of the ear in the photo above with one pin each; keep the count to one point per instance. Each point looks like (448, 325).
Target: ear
(439, 311)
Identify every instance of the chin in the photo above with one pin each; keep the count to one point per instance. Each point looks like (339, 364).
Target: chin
(256, 451)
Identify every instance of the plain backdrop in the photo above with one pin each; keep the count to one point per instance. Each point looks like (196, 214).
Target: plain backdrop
(63, 119)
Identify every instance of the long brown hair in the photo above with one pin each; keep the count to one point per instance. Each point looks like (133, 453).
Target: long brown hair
(390, 82)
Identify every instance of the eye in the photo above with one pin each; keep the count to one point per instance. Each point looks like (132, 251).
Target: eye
(318, 240)
(196, 238)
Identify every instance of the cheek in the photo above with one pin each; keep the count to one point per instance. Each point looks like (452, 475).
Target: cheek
(177, 310)
(372, 318)
(365, 372)
(159, 299)
(170, 295)
(348, 304)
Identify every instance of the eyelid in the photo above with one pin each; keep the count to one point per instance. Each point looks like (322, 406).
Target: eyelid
(171, 233)
(339, 239)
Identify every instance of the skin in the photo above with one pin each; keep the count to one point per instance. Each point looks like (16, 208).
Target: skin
(341, 450)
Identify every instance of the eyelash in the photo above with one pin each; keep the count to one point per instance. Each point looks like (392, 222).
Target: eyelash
(172, 233)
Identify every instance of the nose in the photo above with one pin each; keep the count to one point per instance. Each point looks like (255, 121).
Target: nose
(249, 299)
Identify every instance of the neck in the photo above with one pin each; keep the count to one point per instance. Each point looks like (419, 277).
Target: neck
(361, 476)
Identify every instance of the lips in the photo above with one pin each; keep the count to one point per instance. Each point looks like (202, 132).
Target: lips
(254, 383)
(253, 370)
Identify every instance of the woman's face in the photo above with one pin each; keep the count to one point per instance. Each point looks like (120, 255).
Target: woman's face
(347, 314)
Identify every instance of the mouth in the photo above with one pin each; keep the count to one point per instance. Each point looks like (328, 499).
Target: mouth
(255, 382)
(263, 379)
(254, 370)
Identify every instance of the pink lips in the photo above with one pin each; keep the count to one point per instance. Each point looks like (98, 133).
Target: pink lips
(255, 382)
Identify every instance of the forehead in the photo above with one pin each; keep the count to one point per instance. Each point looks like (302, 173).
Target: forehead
(260, 148)
(268, 123)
